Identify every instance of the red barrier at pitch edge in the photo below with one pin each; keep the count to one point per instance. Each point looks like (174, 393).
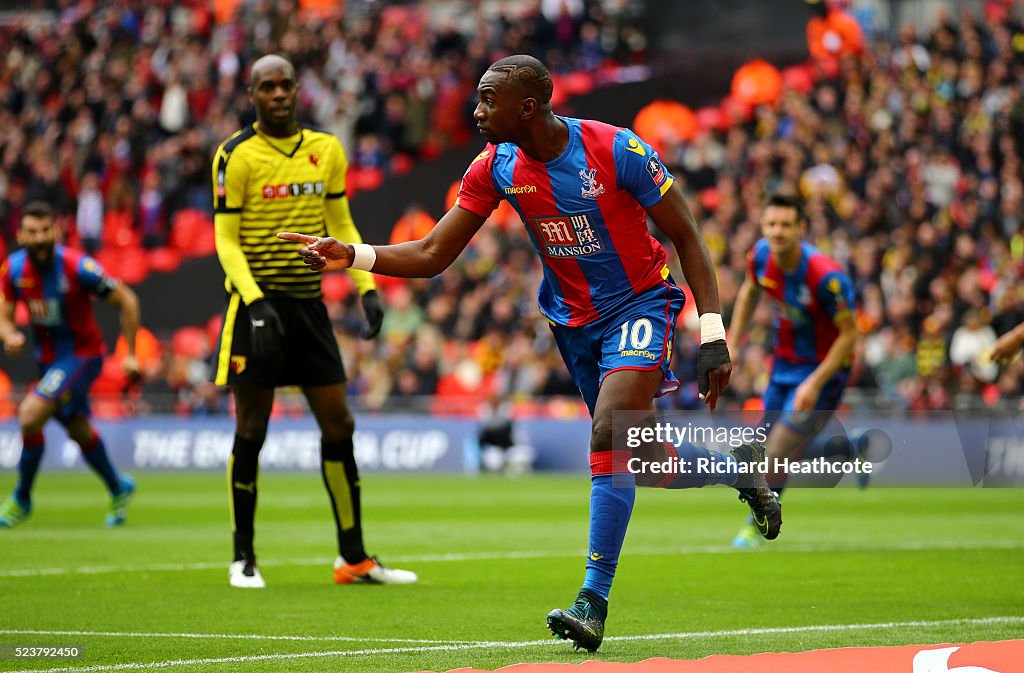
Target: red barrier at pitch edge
(1005, 656)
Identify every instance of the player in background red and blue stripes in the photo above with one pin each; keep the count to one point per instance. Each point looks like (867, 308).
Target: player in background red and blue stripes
(584, 191)
(57, 285)
(815, 335)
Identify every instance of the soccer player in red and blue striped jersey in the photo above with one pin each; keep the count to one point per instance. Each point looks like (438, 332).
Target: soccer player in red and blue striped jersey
(815, 333)
(584, 191)
(58, 285)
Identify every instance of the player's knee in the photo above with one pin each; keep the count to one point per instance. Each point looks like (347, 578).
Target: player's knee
(246, 450)
(79, 429)
(253, 427)
(338, 427)
(601, 434)
(31, 418)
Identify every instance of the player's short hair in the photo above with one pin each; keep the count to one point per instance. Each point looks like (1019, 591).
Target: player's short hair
(264, 60)
(529, 73)
(38, 209)
(787, 201)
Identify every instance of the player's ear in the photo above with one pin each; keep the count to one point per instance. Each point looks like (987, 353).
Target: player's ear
(529, 108)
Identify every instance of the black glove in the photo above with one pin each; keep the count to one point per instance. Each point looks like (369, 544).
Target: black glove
(374, 312)
(710, 356)
(265, 330)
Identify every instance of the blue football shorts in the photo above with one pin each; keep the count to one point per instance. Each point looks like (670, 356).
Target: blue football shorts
(66, 383)
(778, 398)
(637, 336)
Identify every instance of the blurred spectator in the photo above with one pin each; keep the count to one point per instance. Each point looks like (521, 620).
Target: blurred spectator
(414, 225)
(504, 447)
(89, 220)
(970, 346)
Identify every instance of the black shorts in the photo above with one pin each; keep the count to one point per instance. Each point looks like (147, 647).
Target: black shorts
(309, 353)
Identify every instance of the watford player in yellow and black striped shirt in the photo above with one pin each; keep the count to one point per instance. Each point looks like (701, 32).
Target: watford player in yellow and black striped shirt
(268, 176)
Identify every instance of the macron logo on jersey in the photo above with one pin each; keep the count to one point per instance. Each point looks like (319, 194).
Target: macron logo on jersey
(568, 236)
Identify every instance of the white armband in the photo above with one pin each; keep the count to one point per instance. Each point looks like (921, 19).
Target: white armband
(364, 257)
(711, 328)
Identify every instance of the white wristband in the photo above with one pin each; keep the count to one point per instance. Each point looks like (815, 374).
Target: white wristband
(363, 257)
(711, 328)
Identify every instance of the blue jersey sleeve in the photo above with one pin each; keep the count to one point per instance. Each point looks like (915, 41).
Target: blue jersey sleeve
(757, 261)
(639, 170)
(93, 278)
(836, 295)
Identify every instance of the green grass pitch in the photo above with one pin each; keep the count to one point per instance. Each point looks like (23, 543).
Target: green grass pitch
(876, 567)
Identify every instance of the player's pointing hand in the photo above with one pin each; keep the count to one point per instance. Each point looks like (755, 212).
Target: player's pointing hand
(321, 253)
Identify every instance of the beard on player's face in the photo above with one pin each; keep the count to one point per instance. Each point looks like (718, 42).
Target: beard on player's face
(41, 253)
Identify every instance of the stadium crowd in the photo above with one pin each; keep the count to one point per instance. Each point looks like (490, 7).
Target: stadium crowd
(908, 155)
(112, 110)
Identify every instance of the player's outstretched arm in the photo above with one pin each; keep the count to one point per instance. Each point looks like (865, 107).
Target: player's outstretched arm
(11, 336)
(746, 301)
(673, 217)
(413, 259)
(125, 299)
(839, 355)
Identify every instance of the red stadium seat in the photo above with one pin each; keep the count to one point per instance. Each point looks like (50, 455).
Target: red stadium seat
(205, 242)
(192, 232)
(711, 119)
(365, 179)
(736, 112)
(119, 229)
(336, 286)
(111, 381)
(164, 260)
(710, 199)
(662, 122)
(8, 407)
(213, 328)
(191, 342)
(131, 265)
(757, 83)
(799, 78)
(577, 83)
(401, 164)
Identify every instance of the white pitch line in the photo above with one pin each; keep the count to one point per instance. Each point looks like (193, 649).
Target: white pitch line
(228, 636)
(531, 554)
(527, 643)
